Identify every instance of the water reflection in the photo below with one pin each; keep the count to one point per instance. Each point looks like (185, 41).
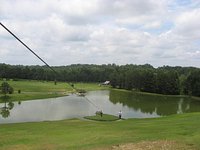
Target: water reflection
(160, 105)
(7, 106)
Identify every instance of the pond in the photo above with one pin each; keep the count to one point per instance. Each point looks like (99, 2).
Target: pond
(131, 104)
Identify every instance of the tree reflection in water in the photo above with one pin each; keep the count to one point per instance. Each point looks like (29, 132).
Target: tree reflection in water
(8, 105)
(161, 105)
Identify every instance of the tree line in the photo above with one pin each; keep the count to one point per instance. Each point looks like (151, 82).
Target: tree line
(163, 80)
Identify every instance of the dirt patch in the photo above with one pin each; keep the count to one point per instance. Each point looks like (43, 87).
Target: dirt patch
(16, 147)
(152, 145)
(29, 147)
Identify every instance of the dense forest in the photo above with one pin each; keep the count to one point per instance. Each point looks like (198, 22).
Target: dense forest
(146, 78)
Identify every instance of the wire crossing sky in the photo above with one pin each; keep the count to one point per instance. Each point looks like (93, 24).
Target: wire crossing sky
(89, 101)
(27, 47)
(64, 32)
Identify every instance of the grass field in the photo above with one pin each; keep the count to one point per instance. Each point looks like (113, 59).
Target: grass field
(40, 89)
(104, 117)
(179, 131)
(172, 132)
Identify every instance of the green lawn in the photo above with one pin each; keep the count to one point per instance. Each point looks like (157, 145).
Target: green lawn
(183, 129)
(104, 117)
(41, 89)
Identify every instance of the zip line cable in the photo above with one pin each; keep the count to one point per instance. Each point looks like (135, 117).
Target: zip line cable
(41, 60)
(91, 103)
(27, 47)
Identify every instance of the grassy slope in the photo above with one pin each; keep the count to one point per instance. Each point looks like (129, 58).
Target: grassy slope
(38, 89)
(79, 134)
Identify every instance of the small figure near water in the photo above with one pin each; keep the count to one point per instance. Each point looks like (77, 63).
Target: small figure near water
(120, 114)
(99, 113)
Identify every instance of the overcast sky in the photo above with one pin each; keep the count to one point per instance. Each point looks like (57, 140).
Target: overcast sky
(64, 32)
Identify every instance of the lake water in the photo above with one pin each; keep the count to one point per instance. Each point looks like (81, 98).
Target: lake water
(131, 104)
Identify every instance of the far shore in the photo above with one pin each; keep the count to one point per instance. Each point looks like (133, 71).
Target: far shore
(33, 90)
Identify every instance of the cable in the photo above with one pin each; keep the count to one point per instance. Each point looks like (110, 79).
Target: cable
(42, 60)
(91, 102)
(27, 47)
(87, 99)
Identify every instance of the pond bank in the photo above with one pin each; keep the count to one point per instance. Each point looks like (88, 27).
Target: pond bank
(104, 117)
(31, 90)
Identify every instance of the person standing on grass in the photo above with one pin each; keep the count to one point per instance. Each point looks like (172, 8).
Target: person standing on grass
(101, 113)
(120, 114)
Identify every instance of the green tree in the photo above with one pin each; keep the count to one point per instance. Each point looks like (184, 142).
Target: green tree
(192, 84)
(6, 88)
(167, 82)
(149, 81)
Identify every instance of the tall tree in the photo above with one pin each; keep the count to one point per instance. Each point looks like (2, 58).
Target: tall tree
(192, 84)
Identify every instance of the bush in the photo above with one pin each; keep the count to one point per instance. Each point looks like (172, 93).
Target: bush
(10, 90)
(19, 91)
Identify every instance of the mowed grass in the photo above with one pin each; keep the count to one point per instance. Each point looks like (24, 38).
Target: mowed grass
(90, 86)
(183, 130)
(31, 90)
(104, 117)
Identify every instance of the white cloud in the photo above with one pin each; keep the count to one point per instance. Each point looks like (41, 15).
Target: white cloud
(101, 31)
(187, 24)
(153, 25)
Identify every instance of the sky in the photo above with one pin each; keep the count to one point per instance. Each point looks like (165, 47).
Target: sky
(64, 32)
